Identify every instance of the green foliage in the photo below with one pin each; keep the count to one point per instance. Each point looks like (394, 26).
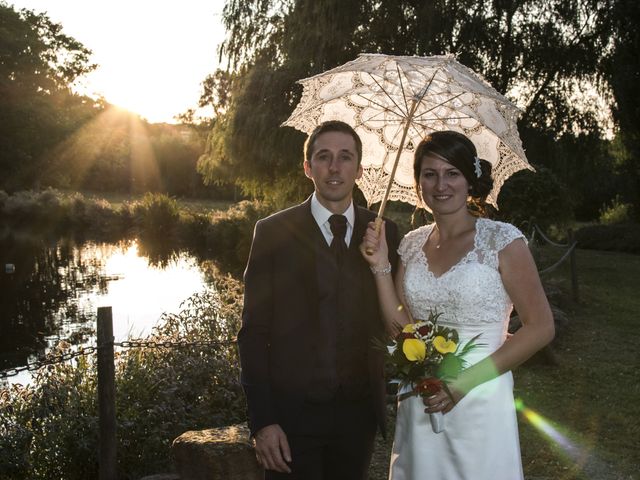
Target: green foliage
(50, 428)
(622, 69)
(120, 152)
(617, 212)
(544, 49)
(230, 234)
(161, 225)
(156, 214)
(39, 65)
(50, 136)
(28, 207)
(618, 237)
(537, 198)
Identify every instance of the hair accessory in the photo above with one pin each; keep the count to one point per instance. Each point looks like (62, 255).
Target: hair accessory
(476, 165)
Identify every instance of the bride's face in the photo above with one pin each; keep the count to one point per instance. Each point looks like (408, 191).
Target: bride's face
(444, 188)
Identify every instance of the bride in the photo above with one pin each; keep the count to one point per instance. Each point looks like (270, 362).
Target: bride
(473, 271)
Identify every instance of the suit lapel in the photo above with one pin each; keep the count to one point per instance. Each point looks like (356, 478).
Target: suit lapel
(306, 230)
(359, 227)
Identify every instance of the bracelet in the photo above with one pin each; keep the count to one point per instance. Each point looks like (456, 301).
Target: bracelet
(386, 270)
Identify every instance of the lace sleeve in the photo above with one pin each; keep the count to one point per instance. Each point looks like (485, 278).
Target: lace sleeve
(412, 243)
(493, 237)
(505, 234)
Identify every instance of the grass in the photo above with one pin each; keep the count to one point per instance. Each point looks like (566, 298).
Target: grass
(590, 398)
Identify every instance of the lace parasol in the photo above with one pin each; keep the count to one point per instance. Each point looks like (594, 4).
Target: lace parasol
(393, 102)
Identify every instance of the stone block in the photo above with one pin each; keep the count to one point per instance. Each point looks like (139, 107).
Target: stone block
(224, 453)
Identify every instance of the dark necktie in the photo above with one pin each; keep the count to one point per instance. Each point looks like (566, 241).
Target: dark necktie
(338, 225)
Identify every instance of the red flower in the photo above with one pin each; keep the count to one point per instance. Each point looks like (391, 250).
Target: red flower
(424, 330)
(428, 386)
(403, 336)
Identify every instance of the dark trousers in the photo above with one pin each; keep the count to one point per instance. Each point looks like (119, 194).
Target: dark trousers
(338, 445)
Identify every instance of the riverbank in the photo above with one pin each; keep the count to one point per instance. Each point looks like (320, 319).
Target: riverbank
(160, 223)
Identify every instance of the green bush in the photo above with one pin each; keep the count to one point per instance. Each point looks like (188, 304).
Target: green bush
(156, 214)
(49, 430)
(162, 227)
(230, 233)
(617, 212)
(32, 208)
(536, 197)
(618, 237)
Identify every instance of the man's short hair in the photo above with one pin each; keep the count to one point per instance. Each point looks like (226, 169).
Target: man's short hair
(331, 126)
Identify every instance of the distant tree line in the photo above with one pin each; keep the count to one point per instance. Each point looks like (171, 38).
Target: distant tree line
(52, 136)
(554, 58)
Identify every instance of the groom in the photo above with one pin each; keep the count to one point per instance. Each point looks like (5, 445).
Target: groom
(313, 382)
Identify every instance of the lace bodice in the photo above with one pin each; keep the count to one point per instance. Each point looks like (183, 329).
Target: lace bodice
(469, 293)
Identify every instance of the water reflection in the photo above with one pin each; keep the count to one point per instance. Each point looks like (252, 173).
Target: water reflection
(58, 285)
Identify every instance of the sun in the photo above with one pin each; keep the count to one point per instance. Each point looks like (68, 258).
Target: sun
(151, 56)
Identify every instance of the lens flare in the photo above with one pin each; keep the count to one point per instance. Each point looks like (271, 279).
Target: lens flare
(581, 456)
(545, 427)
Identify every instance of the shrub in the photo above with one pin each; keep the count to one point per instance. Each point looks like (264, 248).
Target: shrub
(618, 237)
(230, 233)
(156, 214)
(163, 229)
(20, 206)
(617, 212)
(537, 197)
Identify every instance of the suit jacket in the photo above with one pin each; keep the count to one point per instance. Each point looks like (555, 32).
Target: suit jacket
(280, 321)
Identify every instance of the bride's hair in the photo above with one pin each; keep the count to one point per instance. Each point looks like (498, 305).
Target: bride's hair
(460, 152)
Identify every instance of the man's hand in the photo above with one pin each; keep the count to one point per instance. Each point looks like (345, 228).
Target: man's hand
(272, 449)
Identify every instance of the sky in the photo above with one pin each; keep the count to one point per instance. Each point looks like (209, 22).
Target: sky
(152, 55)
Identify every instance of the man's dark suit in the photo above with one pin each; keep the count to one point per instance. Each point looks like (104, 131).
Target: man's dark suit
(279, 337)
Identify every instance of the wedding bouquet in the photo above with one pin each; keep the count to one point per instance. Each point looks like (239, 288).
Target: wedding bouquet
(424, 356)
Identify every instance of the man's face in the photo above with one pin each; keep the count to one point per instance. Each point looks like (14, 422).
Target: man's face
(334, 169)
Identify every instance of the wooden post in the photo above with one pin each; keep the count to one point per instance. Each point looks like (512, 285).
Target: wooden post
(574, 268)
(107, 460)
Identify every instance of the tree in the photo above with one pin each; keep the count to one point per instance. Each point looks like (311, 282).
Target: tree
(39, 65)
(622, 69)
(538, 51)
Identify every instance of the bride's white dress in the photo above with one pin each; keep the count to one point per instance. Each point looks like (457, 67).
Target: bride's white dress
(480, 440)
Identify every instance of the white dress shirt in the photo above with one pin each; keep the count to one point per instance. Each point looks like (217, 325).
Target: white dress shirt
(321, 216)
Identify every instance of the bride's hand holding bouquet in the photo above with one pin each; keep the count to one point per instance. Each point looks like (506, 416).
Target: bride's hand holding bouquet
(423, 359)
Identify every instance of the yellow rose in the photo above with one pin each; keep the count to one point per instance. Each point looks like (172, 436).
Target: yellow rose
(443, 345)
(415, 350)
(409, 328)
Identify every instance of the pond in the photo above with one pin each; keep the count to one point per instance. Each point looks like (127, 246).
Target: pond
(50, 290)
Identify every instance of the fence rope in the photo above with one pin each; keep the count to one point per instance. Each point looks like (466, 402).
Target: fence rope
(562, 259)
(547, 239)
(53, 359)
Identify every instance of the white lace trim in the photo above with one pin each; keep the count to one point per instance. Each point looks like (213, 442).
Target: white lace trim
(471, 291)
(373, 94)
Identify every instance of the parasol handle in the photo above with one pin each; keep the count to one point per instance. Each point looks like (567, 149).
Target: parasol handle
(383, 205)
(378, 222)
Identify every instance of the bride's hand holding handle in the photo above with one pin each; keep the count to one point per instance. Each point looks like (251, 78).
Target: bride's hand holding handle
(374, 247)
(375, 251)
